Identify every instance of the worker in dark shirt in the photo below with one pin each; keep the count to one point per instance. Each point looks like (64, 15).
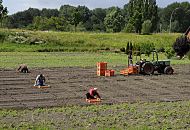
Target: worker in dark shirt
(23, 68)
(40, 80)
(92, 94)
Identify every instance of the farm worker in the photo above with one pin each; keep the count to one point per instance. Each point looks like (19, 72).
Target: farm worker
(93, 94)
(40, 80)
(23, 68)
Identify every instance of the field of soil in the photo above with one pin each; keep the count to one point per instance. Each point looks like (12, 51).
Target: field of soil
(70, 84)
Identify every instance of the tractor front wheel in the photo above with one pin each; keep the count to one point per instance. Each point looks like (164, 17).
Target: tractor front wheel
(168, 70)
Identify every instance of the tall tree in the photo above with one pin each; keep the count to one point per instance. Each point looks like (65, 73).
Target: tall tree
(3, 12)
(49, 13)
(97, 19)
(67, 11)
(114, 21)
(24, 18)
(139, 11)
(176, 14)
(76, 18)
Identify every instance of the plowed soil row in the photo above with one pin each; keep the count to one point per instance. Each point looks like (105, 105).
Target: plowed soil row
(70, 84)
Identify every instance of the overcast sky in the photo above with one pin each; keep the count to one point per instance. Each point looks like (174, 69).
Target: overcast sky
(20, 5)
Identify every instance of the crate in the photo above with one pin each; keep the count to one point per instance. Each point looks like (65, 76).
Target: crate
(133, 70)
(98, 70)
(109, 73)
(124, 72)
(130, 70)
(102, 65)
(101, 73)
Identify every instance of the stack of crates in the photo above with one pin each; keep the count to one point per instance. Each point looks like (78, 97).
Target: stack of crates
(101, 68)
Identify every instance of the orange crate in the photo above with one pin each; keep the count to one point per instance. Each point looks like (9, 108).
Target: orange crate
(101, 69)
(101, 73)
(109, 73)
(133, 70)
(102, 65)
(124, 72)
(112, 72)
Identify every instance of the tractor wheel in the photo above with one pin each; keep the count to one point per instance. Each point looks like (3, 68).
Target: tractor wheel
(168, 70)
(148, 68)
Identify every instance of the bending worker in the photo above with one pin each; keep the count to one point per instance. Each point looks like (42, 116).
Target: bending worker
(40, 80)
(23, 68)
(92, 94)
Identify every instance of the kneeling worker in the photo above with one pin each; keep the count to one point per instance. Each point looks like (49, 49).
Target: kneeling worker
(40, 80)
(23, 68)
(93, 94)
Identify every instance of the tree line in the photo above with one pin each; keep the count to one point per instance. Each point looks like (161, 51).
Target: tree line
(137, 16)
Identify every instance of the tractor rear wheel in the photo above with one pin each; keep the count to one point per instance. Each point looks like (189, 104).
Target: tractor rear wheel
(168, 70)
(148, 68)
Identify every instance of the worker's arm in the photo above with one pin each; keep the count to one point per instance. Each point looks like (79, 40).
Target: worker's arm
(37, 79)
(44, 79)
(97, 94)
(19, 68)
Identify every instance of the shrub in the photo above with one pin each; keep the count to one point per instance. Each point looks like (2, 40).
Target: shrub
(146, 27)
(161, 49)
(3, 35)
(122, 49)
(169, 53)
(147, 48)
(129, 28)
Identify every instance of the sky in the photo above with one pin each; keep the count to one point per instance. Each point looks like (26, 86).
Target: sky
(20, 5)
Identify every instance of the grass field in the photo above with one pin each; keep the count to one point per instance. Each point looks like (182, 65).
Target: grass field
(85, 49)
(68, 59)
(28, 41)
(141, 116)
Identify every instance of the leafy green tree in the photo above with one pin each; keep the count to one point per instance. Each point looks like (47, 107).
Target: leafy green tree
(53, 23)
(138, 11)
(41, 23)
(97, 19)
(114, 21)
(49, 13)
(176, 14)
(129, 28)
(137, 21)
(76, 18)
(67, 11)
(24, 18)
(85, 15)
(3, 12)
(84, 12)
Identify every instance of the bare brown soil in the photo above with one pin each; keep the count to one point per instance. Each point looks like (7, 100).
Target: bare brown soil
(69, 86)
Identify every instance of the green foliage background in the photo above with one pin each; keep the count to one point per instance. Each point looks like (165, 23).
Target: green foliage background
(50, 41)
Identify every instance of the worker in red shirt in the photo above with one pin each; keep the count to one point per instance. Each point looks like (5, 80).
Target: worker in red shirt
(93, 94)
